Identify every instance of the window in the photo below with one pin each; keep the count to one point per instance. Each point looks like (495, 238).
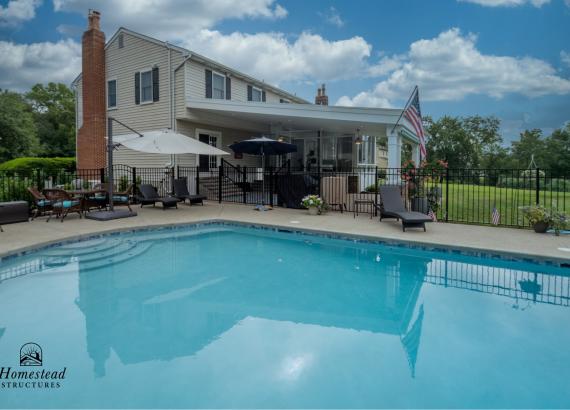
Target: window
(112, 94)
(146, 86)
(367, 150)
(218, 86)
(255, 94)
(121, 41)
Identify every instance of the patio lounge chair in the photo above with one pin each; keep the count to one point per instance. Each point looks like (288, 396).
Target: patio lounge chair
(392, 206)
(149, 196)
(42, 204)
(63, 203)
(181, 192)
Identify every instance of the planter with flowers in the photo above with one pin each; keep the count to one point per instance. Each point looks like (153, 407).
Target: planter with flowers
(314, 204)
(539, 218)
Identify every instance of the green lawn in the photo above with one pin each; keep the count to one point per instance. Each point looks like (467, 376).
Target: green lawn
(474, 203)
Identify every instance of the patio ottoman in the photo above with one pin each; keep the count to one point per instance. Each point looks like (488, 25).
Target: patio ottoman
(12, 212)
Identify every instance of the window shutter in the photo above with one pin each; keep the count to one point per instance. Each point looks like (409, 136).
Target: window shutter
(208, 83)
(228, 88)
(155, 84)
(249, 93)
(263, 96)
(137, 88)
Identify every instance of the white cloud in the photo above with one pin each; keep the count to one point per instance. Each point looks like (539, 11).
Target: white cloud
(172, 20)
(275, 58)
(565, 56)
(18, 11)
(508, 3)
(449, 67)
(23, 65)
(332, 16)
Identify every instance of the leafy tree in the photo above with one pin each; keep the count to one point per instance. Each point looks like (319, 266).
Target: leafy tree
(54, 111)
(529, 144)
(557, 148)
(18, 135)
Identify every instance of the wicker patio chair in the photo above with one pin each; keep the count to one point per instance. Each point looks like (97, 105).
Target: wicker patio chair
(63, 203)
(41, 203)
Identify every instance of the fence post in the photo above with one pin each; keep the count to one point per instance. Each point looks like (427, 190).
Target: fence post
(376, 192)
(447, 195)
(134, 177)
(537, 186)
(271, 186)
(244, 185)
(102, 174)
(220, 176)
(197, 180)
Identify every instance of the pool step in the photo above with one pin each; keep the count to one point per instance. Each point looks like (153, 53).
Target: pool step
(108, 260)
(82, 247)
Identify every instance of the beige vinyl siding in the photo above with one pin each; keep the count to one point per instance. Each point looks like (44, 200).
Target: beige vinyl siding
(79, 105)
(196, 84)
(122, 64)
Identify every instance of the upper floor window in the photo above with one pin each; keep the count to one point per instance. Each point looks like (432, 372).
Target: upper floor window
(218, 85)
(112, 94)
(146, 86)
(255, 94)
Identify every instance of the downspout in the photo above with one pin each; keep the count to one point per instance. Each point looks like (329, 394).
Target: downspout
(173, 75)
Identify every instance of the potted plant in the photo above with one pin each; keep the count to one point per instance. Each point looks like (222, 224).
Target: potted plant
(559, 222)
(539, 217)
(313, 203)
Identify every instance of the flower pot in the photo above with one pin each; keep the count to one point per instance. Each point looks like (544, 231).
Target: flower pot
(313, 210)
(420, 205)
(540, 227)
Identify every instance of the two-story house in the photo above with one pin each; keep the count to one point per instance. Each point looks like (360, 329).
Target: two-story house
(150, 84)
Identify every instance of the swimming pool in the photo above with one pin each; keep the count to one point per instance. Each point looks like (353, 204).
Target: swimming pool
(221, 315)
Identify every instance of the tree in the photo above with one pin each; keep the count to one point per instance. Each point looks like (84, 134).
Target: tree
(18, 135)
(54, 111)
(530, 145)
(557, 149)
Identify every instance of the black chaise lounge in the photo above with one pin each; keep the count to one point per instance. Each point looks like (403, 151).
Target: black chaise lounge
(181, 192)
(149, 196)
(392, 206)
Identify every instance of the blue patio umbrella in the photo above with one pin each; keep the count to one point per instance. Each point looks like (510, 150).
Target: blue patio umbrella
(262, 146)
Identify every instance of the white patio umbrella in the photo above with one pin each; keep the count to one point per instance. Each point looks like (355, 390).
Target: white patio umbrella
(166, 142)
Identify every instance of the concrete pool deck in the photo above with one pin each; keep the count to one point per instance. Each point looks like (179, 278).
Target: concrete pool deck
(519, 242)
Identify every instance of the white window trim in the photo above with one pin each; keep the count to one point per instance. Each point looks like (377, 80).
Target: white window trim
(217, 134)
(146, 70)
(224, 83)
(253, 87)
(116, 107)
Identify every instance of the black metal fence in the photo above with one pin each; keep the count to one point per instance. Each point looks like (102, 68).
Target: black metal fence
(454, 195)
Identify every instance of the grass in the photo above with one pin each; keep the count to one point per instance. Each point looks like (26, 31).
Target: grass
(474, 203)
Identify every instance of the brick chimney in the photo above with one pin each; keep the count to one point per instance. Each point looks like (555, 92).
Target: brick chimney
(321, 98)
(91, 149)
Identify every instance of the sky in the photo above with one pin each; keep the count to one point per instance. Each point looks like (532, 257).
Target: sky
(508, 58)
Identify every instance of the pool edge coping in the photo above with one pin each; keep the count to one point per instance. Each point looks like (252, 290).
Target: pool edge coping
(471, 250)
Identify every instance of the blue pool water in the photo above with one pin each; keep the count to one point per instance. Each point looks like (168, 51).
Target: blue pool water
(227, 316)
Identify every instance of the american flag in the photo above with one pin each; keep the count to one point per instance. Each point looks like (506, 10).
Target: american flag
(495, 216)
(431, 214)
(414, 115)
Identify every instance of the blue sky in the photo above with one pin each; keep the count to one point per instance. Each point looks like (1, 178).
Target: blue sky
(509, 58)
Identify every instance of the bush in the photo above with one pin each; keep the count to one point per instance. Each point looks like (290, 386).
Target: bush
(26, 164)
(546, 184)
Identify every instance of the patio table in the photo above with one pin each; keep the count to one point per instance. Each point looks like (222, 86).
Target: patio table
(84, 195)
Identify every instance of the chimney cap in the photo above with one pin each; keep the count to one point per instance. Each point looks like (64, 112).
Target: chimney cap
(94, 17)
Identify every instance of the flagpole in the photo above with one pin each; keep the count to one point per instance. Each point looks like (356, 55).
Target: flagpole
(405, 107)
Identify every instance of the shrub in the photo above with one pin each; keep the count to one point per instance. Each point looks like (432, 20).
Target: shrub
(27, 163)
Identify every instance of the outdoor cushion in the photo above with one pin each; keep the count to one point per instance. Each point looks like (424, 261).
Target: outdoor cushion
(66, 204)
(44, 202)
(122, 198)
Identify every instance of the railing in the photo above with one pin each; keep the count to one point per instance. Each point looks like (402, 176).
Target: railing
(454, 195)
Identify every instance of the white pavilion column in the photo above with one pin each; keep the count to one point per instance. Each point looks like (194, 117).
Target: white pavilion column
(416, 154)
(394, 156)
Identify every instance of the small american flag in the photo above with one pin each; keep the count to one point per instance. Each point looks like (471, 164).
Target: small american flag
(414, 115)
(431, 214)
(495, 216)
